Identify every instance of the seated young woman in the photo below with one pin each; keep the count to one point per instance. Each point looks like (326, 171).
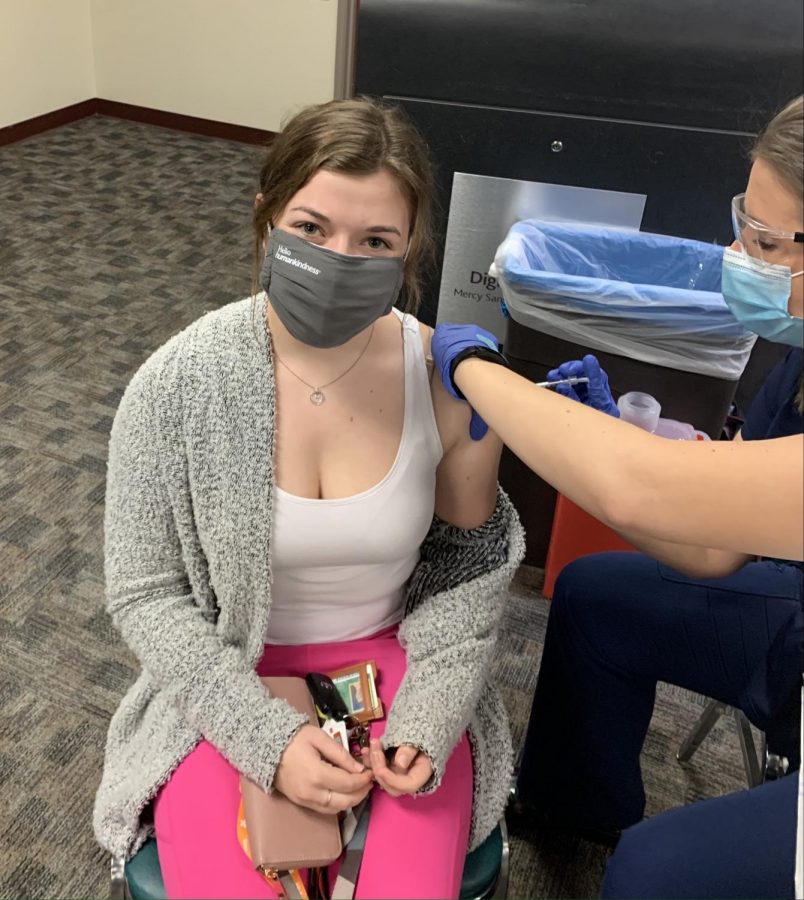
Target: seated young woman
(288, 491)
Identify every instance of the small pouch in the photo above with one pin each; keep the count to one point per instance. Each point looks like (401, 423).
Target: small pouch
(276, 834)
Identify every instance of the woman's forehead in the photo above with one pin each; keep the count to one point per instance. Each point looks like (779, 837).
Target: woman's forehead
(361, 200)
(770, 201)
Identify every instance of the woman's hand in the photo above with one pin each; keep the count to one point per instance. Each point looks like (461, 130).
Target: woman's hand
(315, 771)
(408, 772)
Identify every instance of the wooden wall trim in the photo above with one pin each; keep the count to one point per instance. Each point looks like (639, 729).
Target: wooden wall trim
(64, 116)
(192, 124)
(97, 106)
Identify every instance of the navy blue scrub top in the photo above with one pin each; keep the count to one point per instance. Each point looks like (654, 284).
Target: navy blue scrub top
(773, 413)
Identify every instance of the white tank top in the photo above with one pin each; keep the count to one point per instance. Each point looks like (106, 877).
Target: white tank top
(339, 566)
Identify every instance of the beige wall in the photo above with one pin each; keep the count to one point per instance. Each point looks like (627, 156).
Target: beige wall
(45, 57)
(247, 62)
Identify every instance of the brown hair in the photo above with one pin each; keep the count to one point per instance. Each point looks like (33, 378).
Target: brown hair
(781, 146)
(354, 137)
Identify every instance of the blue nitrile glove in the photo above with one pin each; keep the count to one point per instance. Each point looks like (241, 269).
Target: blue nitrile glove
(595, 394)
(449, 344)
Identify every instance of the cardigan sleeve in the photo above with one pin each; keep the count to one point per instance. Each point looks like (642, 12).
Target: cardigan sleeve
(455, 603)
(150, 599)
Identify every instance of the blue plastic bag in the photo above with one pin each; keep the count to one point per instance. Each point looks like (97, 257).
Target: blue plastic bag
(646, 296)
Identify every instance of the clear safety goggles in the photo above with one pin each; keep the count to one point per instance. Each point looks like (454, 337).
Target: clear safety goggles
(757, 240)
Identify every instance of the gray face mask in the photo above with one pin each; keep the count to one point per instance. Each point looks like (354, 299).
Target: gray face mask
(324, 298)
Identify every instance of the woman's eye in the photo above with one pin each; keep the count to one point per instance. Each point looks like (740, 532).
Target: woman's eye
(767, 246)
(376, 243)
(308, 228)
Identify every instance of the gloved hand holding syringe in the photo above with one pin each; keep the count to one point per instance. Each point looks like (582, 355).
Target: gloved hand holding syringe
(451, 342)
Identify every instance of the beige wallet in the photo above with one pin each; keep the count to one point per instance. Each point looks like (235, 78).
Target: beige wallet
(281, 835)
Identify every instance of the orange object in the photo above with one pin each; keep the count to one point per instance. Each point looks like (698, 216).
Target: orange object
(575, 533)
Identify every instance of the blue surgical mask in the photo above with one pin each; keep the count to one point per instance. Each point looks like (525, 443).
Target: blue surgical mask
(757, 293)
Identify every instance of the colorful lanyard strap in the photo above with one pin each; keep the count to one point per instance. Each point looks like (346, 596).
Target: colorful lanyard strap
(290, 885)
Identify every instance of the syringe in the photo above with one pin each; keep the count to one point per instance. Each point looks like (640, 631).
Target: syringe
(570, 381)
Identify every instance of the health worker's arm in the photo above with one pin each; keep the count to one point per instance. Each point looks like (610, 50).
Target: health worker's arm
(745, 496)
(697, 562)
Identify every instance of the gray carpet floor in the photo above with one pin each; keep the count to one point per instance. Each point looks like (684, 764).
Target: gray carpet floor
(113, 236)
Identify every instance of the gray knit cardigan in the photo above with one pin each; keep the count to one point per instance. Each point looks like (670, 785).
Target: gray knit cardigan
(187, 558)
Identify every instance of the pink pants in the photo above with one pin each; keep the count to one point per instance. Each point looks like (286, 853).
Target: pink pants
(416, 846)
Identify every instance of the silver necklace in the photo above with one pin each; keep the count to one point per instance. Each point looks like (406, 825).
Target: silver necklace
(317, 397)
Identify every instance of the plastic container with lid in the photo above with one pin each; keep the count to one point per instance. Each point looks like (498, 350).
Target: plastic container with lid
(644, 411)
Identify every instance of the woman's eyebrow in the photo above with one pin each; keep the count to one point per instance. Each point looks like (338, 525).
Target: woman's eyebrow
(384, 229)
(312, 212)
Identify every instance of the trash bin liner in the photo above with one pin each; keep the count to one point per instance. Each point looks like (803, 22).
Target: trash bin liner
(649, 297)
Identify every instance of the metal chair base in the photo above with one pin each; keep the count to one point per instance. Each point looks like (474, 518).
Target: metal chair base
(708, 719)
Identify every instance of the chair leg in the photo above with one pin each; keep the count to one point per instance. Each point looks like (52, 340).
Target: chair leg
(753, 773)
(501, 886)
(119, 888)
(712, 712)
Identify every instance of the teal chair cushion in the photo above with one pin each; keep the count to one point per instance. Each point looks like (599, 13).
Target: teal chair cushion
(144, 876)
(482, 866)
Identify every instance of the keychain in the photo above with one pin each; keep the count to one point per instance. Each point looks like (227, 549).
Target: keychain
(334, 716)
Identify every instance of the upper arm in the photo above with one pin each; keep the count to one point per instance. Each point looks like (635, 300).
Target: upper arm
(727, 562)
(732, 496)
(466, 480)
(140, 538)
(694, 561)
